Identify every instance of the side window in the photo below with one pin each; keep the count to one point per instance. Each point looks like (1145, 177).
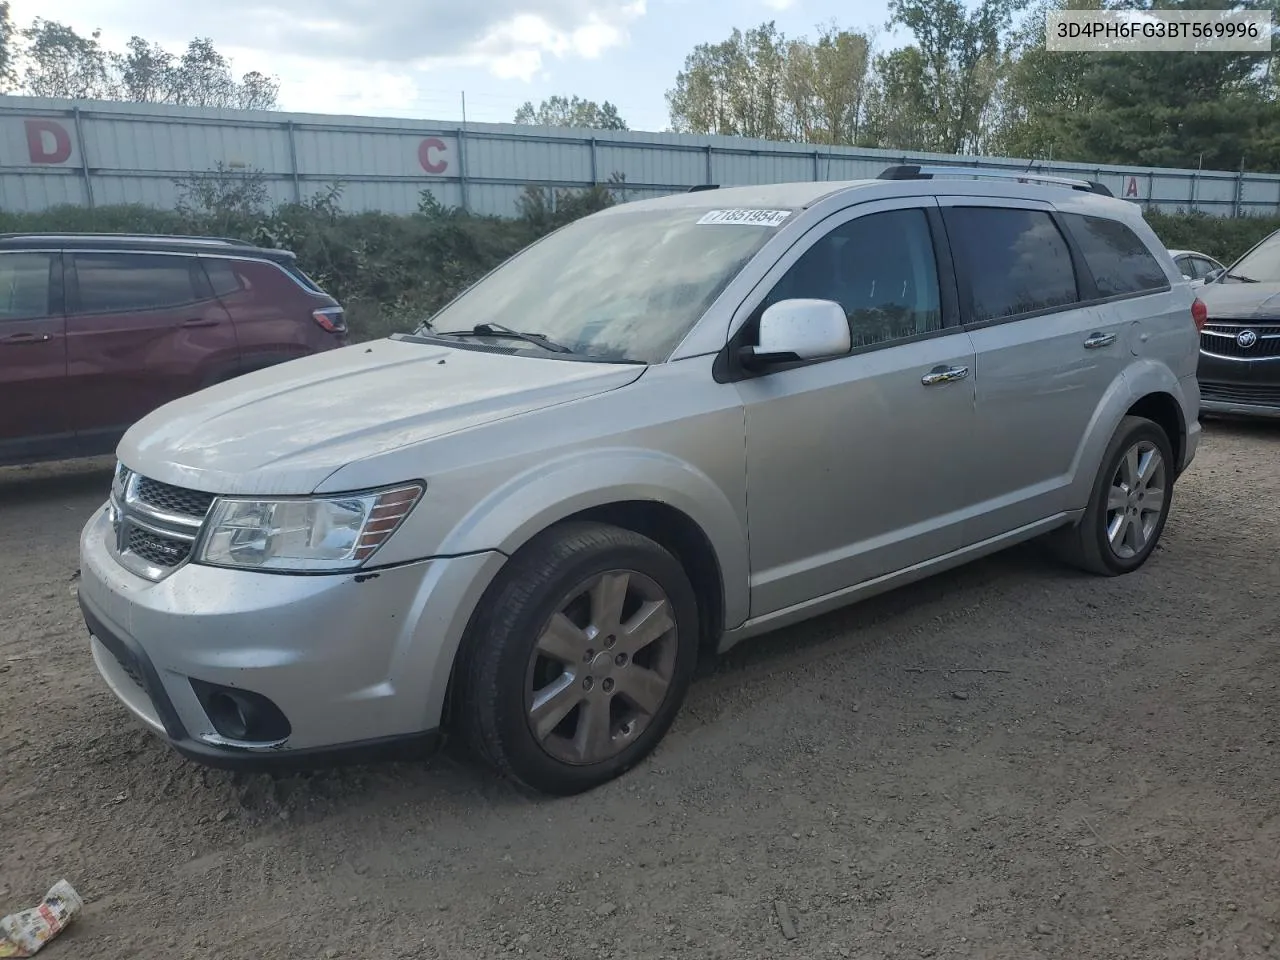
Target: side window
(1119, 261)
(880, 268)
(1203, 267)
(224, 277)
(24, 285)
(1017, 261)
(1185, 266)
(120, 282)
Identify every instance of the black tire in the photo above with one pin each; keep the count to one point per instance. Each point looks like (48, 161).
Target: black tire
(1087, 545)
(494, 668)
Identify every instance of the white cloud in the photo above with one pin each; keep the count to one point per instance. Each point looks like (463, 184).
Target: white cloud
(510, 38)
(780, 4)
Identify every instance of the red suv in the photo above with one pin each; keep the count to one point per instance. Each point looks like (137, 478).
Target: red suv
(98, 330)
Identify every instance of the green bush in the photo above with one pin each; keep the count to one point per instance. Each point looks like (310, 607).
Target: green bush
(1223, 238)
(391, 272)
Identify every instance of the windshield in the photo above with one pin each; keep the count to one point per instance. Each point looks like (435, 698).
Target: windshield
(627, 286)
(1259, 265)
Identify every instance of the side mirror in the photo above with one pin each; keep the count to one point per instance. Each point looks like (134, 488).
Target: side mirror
(1213, 274)
(792, 330)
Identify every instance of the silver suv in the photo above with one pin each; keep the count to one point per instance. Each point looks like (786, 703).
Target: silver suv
(661, 430)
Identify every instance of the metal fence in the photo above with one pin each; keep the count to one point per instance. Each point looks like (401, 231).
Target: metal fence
(60, 152)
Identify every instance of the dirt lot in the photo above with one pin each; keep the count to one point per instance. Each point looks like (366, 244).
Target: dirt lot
(1100, 781)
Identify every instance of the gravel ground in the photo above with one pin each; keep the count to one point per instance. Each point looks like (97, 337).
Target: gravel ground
(1009, 761)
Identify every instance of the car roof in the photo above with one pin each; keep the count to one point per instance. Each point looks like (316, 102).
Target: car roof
(170, 243)
(803, 194)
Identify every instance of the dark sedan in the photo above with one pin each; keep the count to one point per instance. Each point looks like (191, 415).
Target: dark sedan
(1239, 370)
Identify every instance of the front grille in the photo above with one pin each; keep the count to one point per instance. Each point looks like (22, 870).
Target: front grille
(1220, 339)
(157, 550)
(155, 525)
(162, 496)
(1262, 395)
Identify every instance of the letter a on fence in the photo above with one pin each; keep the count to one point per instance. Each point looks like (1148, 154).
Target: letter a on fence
(1131, 188)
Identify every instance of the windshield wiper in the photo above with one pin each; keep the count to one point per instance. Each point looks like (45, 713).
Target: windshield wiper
(1236, 276)
(498, 330)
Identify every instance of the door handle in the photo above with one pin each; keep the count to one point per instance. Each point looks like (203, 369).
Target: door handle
(944, 375)
(21, 338)
(200, 322)
(1096, 340)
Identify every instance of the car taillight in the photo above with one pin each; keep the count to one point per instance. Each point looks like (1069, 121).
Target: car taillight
(1199, 313)
(330, 319)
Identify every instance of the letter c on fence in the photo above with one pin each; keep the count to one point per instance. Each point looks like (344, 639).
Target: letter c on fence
(39, 148)
(424, 155)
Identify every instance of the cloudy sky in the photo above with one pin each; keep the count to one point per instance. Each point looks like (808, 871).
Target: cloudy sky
(413, 58)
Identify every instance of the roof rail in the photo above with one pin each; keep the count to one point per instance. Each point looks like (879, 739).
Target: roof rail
(130, 237)
(704, 186)
(917, 172)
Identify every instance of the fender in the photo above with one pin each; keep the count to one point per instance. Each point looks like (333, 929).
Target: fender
(530, 502)
(1141, 379)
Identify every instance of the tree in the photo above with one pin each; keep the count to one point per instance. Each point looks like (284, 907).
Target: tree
(1218, 109)
(7, 51)
(558, 111)
(58, 62)
(146, 72)
(734, 88)
(953, 79)
(61, 63)
(825, 86)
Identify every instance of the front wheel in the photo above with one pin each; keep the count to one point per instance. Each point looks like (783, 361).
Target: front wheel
(580, 657)
(1129, 504)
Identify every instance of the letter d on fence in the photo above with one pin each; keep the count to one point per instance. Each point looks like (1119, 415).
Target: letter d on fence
(47, 141)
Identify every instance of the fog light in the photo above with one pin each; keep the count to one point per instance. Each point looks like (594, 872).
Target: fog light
(243, 715)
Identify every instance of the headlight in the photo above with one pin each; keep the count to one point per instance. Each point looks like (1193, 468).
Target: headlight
(308, 534)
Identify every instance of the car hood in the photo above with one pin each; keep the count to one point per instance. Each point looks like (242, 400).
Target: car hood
(1241, 301)
(285, 429)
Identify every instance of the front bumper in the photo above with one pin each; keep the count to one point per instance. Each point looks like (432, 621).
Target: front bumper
(1231, 386)
(357, 664)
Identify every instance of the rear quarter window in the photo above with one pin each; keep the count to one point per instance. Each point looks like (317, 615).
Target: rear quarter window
(1120, 262)
(224, 278)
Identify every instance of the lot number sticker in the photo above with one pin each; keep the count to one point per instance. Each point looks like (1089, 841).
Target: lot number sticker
(753, 218)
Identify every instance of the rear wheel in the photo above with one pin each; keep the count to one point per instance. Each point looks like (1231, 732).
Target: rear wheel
(580, 658)
(1129, 504)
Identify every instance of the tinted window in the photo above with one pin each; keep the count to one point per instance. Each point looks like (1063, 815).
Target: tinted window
(1016, 260)
(118, 282)
(24, 286)
(223, 277)
(1203, 267)
(880, 268)
(302, 278)
(1119, 261)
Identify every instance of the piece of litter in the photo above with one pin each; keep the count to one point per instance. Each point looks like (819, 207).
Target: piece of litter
(959, 695)
(25, 932)
(784, 920)
(120, 798)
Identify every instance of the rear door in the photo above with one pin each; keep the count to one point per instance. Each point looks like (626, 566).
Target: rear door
(35, 411)
(1044, 358)
(142, 329)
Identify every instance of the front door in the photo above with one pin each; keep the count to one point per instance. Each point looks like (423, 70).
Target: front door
(857, 465)
(35, 418)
